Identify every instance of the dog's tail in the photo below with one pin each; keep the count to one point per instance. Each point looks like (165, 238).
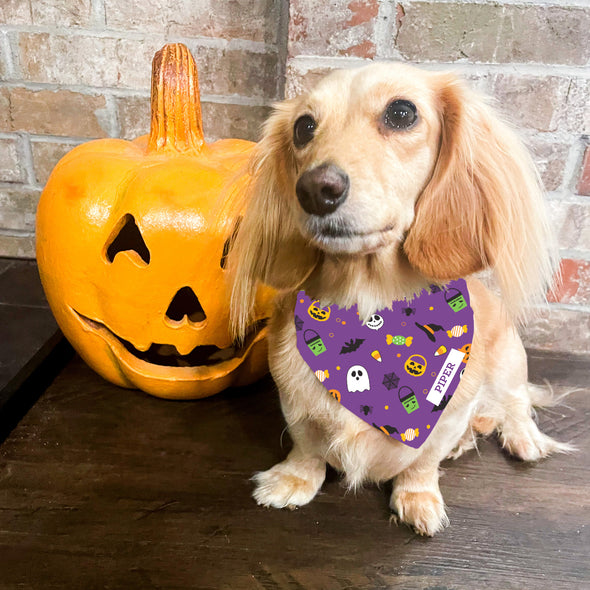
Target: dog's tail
(544, 397)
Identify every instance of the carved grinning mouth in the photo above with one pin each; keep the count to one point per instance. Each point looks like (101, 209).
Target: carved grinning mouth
(166, 355)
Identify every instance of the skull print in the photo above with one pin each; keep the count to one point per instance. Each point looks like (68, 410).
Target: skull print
(375, 322)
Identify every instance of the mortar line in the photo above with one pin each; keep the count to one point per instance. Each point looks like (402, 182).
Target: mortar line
(386, 31)
(16, 233)
(25, 154)
(574, 254)
(98, 17)
(8, 57)
(234, 44)
(307, 62)
(577, 307)
(14, 55)
(520, 3)
(113, 123)
(282, 47)
(573, 165)
(568, 197)
(236, 99)
(38, 138)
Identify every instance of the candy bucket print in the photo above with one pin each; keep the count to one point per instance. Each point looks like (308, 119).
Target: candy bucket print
(455, 299)
(397, 372)
(314, 342)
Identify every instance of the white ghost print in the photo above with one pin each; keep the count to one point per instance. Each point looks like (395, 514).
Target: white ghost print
(357, 379)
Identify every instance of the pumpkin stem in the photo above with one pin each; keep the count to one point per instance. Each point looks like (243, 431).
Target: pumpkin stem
(176, 122)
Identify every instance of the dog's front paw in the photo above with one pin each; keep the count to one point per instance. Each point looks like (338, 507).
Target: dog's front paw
(288, 485)
(424, 511)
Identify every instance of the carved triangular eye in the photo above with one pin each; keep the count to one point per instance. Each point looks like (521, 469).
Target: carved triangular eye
(127, 239)
(186, 303)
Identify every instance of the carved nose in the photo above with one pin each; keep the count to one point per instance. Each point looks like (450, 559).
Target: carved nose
(323, 189)
(186, 303)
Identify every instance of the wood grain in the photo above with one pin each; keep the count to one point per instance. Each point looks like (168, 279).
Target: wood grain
(102, 487)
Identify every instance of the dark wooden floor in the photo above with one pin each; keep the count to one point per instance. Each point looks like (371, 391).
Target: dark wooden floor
(28, 332)
(102, 487)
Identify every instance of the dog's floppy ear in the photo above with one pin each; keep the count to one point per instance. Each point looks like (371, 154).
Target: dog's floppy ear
(269, 247)
(483, 206)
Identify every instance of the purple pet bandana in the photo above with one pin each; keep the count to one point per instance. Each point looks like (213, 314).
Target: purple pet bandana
(400, 369)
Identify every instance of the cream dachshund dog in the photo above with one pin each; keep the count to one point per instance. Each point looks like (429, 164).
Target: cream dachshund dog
(379, 182)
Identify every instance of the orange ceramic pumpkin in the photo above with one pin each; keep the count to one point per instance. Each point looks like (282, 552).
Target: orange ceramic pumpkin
(132, 239)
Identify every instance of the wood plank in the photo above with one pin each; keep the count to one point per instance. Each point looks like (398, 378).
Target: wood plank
(29, 336)
(102, 487)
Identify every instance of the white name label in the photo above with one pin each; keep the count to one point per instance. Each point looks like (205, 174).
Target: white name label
(445, 376)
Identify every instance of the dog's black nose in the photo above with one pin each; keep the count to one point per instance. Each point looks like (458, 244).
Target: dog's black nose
(323, 189)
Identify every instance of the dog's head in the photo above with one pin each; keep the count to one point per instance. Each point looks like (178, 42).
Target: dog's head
(362, 148)
(392, 161)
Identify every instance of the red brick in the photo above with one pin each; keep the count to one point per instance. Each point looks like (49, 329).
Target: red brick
(220, 120)
(575, 283)
(583, 187)
(550, 159)
(337, 28)
(87, 59)
(530, 101)
(46, 154)
(134, 116)
(561, 330)
(572, 223)
(575, 113)
(126, 63)
(17, 246)
(10, 166)
(253, 21)
(59, 112)
(15, 12)
(231, 120)
(362, 12)
(302, 80)
(18, 205)
(68, 13)
(5, 124)
(494, 33)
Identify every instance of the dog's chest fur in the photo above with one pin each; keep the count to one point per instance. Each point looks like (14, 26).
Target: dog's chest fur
(345, 441)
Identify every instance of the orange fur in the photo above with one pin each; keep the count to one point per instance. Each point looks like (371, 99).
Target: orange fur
(454, 194)
(484, 205)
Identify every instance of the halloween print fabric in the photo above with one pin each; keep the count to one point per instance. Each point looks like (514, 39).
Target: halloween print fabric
(400, 369)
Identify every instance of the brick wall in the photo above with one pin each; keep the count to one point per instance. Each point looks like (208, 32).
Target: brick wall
(88, 77)
(533, 56)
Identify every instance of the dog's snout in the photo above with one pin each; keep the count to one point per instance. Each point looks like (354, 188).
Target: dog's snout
(323, 189)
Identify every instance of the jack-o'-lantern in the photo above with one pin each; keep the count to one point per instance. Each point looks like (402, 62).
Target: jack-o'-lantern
(132, 241)
(335, 394)
(415, 365)
(321, 314)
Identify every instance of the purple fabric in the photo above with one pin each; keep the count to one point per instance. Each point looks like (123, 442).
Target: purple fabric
(399, 370)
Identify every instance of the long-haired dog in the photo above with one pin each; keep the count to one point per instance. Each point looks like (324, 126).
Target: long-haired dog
(382, 181)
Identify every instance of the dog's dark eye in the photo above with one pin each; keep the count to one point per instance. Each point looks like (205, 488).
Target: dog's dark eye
(303, 130)
(400, 114)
